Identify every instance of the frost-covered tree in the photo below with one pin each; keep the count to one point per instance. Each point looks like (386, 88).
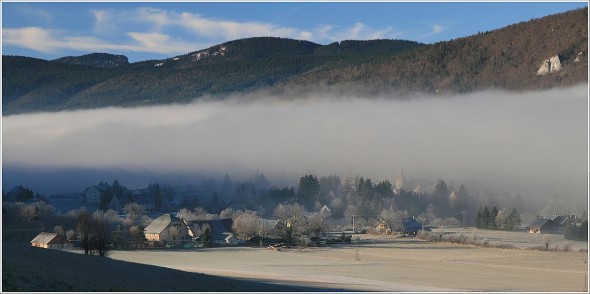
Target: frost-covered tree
(393, 219)
(291, 220)
(134, 211)
(60, 231)
(247, 225)
(198, 213)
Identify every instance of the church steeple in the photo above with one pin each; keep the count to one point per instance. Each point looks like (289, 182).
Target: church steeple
(400, 181)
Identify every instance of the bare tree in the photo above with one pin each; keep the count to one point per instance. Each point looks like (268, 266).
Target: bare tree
(347, 185)
(317, 223)
(95, 232)
(546, 241)
(85, 230)
(102, 232)
(290, 220)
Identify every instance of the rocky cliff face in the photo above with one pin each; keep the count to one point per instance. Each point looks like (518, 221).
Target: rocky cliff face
(551, 65)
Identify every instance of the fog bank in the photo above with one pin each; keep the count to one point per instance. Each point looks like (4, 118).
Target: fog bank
(532, 143)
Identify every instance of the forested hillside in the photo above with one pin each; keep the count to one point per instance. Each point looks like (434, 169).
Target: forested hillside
(85, 82)
(507, 58)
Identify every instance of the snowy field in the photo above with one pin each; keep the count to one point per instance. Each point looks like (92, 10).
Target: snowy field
(521, 240)
(385, 264)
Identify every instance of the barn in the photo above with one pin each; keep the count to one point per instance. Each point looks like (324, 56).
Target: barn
(50, 241)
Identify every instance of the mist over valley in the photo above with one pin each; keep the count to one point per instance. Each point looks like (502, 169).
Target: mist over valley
(498, 119)
(533, 143)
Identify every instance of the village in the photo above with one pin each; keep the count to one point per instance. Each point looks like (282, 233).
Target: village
(150, 218)
(405, 236)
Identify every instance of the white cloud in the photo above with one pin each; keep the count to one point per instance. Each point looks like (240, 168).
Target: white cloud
(230, 30)
(221, 30)
(157, 17)
(31, 10)
(31, 38)
(162, 43)
(52, 41)
(104, 22)
(166, 28)
(358, 31)
(437, 29)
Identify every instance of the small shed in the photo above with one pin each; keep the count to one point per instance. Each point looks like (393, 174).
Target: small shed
(382, 228)
(51, 241)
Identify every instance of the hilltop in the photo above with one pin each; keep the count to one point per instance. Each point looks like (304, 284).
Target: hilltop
(101, 60)
(509, 58)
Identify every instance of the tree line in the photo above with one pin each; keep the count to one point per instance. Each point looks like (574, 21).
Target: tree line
(495, 219)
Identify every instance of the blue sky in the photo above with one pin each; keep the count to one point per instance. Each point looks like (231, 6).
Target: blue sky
(156, 30)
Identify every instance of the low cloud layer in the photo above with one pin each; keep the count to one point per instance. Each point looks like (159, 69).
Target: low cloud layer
(533, 143)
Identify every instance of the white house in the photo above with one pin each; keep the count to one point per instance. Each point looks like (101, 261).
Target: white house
(167, 228)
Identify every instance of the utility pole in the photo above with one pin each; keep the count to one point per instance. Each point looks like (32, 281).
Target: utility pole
(464, 213)
(356, 249)
(585, 275)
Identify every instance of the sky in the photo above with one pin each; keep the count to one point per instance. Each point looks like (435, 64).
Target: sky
(158, 30)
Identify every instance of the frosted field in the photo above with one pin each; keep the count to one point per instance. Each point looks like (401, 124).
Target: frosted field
(518, 239)
(402, 264)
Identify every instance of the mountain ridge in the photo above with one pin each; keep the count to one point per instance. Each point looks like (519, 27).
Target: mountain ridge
(506, 58)
(100, 60)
